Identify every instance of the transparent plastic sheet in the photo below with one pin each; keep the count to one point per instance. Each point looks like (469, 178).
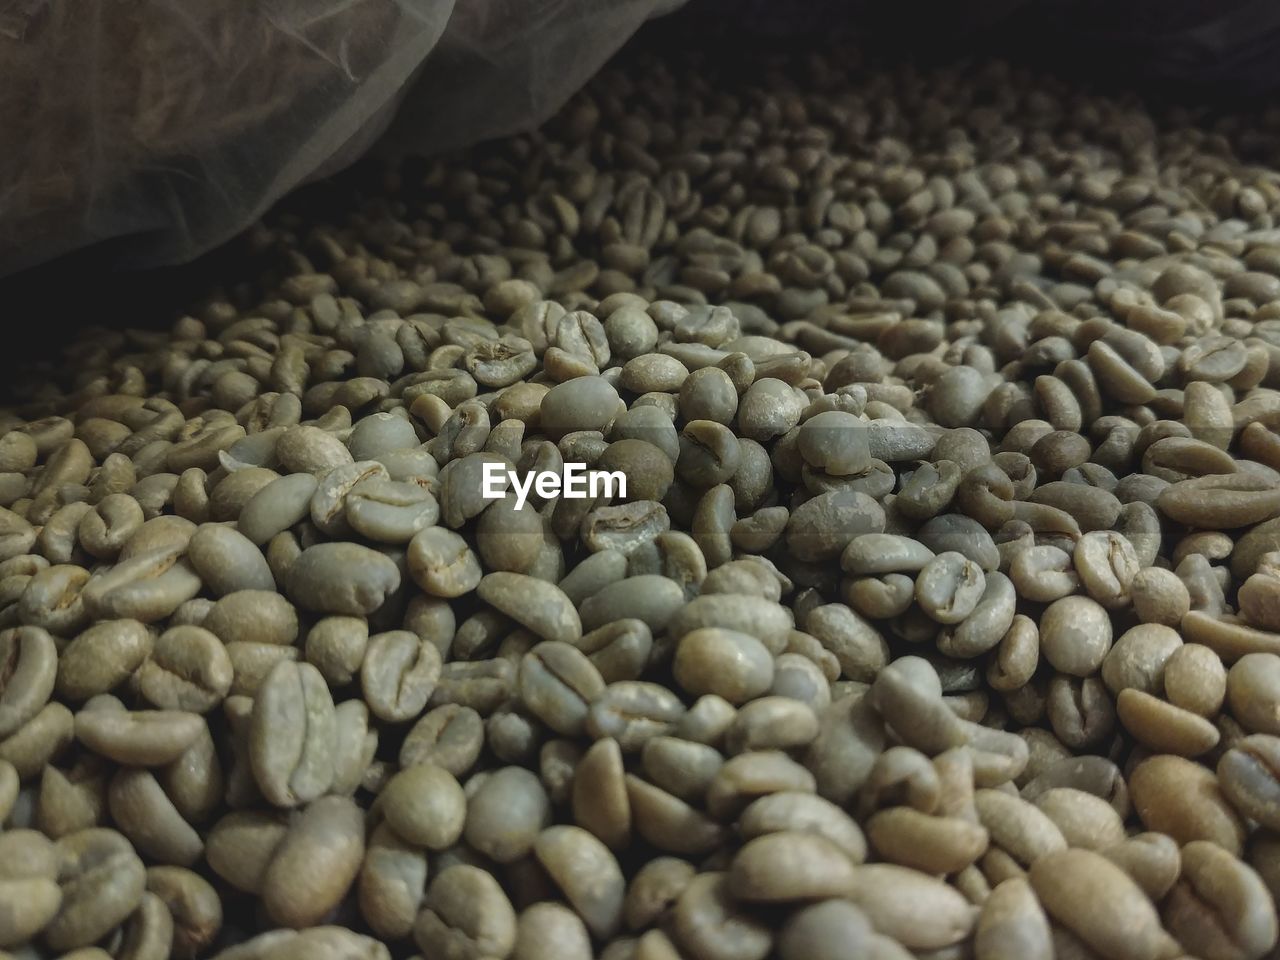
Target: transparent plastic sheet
(163, 127)
(508, 65)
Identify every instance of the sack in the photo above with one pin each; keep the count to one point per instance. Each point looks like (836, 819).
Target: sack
(164, 127)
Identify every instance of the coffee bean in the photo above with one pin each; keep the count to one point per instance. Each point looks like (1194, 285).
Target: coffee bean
(137, 738)
(1184, 800)
(228, 561)
(708, 925)
(188, 669)
(442, 563)
(465, 913)
(315, 863)
(240, 847)
(505, 815)
(825, 931)
(917, 910)
(277, 506)
(1075, 635)
(600, 802)
(1151, 859)
(587, 873)
(669, 823)
(193, 905)
(540, 606)
(549, 931)
(1220, 905)
(558, 684)
(392, 879)
(1012, 923)
(784, 866)
(343, 578)
(31, 659)
(1096, 900)
(727, 663)
(398, 674)
(424, 805)
(449, 736)
(632, 712)
(291, 738)
(141, 809)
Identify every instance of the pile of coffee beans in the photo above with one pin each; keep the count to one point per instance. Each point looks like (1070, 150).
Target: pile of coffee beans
(940, 617)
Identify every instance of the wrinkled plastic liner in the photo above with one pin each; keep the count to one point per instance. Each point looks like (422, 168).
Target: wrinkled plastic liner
(169, 126)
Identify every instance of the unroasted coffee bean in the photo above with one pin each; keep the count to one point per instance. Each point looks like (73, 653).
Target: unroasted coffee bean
(821, 528)
(102, 881)
(1183, 799)
(785, 866)
(388, 511)
(599, 798)
(767, 621)
(315, 864)
(137, 738)
(934, 844)
(143, 812)
(506, 814)
(465, 914)
(424, 805)
(442, 563)
(398, 674)
(449, 736)
(1248, 775)
(227, 561)
(559, 684)
(1075, 635)
(1100, 904)
(708, 925)
(1195, 679)
(240, 847)
(949, 587)
(729, 664)
(291, 736)
(915, 909)
(343, 578)
(391, 883)
(39, 741)
(825, 931)
(277, 506)
(1152, 859)
(28, 887)
(147, 586)
(549, 930)
(1220, 906)
(632, 712)
(668, 822)
(1220, 502)
(336, 647)
(587, 873)
(31, 669)
(540, 606)
(1012, 923)
(1084, 820)
(255, 616)
(193, 906)
(188, 669)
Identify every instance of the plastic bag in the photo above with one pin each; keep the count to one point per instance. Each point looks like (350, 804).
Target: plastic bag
(162, 128)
